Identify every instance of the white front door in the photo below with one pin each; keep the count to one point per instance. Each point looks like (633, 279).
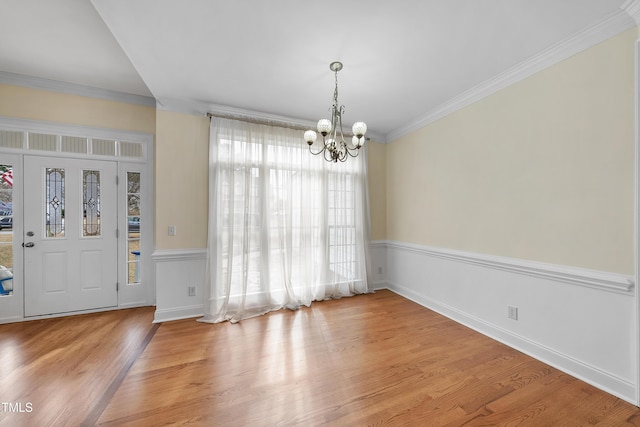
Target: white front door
(70, 222)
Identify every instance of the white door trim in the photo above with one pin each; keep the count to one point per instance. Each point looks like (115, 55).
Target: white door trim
(139, 158)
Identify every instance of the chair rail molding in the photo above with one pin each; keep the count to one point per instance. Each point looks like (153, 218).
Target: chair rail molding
(606, 281)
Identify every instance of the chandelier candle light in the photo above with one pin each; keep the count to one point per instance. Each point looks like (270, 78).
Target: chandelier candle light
(335, 148)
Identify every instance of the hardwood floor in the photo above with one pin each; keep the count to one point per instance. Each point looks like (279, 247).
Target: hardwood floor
(375, 360)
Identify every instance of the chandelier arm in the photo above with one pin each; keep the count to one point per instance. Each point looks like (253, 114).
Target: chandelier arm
(323, 149)
(315, 154)
(351, 145)
(355, 150)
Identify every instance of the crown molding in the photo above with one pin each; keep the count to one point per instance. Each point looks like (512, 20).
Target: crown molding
(202, 108)
(196, 108)
(615, 24)
(632, 8)
(74, 89)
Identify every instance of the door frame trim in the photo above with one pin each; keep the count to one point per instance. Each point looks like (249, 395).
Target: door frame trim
(144, 163)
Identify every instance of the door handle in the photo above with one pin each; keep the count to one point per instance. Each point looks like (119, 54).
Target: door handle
(28, 245)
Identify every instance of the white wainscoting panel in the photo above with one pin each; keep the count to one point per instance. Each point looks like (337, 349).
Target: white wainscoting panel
(378, 252)
(176, 271)
(580, 321)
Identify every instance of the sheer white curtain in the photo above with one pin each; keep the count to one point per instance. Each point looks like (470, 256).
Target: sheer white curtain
(285, 227)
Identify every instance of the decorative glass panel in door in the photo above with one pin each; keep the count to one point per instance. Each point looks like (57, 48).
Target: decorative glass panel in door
(54, 202)
(91, 203)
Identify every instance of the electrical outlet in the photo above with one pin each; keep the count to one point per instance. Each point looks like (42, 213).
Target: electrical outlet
(512, 312)
(171, 230)
(192, 291)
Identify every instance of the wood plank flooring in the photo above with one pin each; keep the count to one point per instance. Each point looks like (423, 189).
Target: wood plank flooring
(375, 360)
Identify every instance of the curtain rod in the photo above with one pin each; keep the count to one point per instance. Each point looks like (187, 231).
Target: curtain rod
(259, 121)
(268, 122)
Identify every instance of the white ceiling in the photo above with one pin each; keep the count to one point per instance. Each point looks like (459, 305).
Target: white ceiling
(402, 59)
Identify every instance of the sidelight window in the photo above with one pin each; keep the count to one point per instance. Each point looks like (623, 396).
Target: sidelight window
(6, 230)
(133, 226)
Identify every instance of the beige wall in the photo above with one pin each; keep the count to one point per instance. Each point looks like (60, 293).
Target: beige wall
(377, 174)
(182, 149)
(542, 170)
(181, 178)
(37, 104)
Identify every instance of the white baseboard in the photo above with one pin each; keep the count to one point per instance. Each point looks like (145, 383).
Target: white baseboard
(169, 314)
(590, 374)
(379, 285)
(576, 320)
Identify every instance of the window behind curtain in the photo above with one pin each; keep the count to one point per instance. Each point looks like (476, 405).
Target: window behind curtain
(289, 227)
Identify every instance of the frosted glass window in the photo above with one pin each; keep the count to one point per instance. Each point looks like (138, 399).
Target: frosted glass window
(74, 144)
(11, 139)
(104, 147)
(130, 149)
(42, 141)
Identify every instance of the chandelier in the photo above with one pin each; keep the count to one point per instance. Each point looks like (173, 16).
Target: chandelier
(334, 147)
